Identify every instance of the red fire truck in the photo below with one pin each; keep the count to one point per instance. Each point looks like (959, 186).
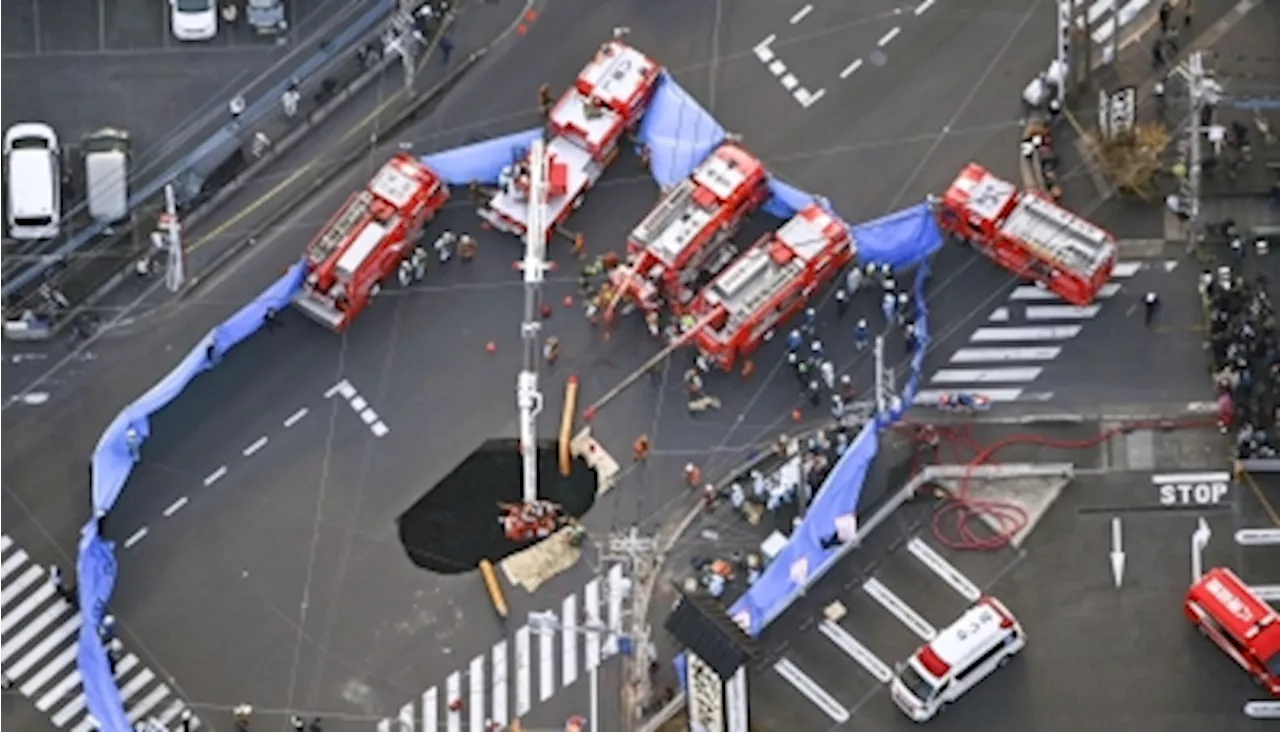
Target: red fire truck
(1241, 623)
(685, 239)
(584, 128)
(1028, 234)
(768, 284)
(373, 235)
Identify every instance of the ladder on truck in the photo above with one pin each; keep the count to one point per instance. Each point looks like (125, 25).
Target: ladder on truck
(353, 214)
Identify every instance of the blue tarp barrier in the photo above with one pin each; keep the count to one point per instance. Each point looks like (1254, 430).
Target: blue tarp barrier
(900, 239)
(785, 200)
(678, 132)
(113, 460)
(481, 162)
(804, 553)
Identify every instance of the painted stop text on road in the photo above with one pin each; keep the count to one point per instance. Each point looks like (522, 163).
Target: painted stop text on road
(1175, 490)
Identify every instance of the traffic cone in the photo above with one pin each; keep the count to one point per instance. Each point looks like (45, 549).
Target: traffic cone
(568, 301)
(490, 347)
(546, 311)
(796, 415)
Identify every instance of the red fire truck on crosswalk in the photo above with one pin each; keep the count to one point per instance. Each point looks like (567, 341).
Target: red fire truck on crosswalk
(769, 283)
(584, 130)
(373, 236)
(686, 238)
(1028, 234)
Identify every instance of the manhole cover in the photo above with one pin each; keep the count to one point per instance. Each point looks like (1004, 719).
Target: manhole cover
(878, 58)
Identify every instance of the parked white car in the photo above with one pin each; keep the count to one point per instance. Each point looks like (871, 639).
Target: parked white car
(194, 20)
(33, 169)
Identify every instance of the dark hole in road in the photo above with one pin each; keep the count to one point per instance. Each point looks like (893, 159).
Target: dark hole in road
(455, 524)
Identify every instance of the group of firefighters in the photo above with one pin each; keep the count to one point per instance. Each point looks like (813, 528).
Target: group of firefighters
(1242, 338)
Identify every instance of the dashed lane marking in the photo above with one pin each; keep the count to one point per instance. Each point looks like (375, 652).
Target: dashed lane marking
(887, 38)
(136, 537)
(176, 506)
(923, 7)
(851, 68)
(801, 14)
(296, 417)
(215, 476)
(257, 445)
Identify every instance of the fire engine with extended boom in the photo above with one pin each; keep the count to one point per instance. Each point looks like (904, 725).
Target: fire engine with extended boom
(1028, 234)
(584, 128)
(685, 239)
(373, 235)
(1242, 624)
(768, 283)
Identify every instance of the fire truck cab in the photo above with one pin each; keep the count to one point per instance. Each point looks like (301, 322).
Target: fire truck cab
(1028, 234)
(685, 240)
(1242, 624)
(583, 128)
(768, 283)
(368, 239)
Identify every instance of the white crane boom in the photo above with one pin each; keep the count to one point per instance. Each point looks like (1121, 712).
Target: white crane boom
(535, 265)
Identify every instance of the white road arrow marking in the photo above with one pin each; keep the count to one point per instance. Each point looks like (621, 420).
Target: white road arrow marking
(1117, 551)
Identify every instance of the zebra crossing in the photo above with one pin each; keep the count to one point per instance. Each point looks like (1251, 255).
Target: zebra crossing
(887, 592)
(588, 634)
(1020, 338)
(38, 635)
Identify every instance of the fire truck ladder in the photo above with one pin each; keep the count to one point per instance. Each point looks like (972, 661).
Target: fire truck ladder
(1054, 238)
(668, 210)
(352, 215)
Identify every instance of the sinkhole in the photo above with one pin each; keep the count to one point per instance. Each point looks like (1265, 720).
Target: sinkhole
(455, 523)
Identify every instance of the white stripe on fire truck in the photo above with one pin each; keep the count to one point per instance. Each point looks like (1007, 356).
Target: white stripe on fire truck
(811, 690)
(1031, 292)
(1062, 312)
(899, 609)
(1012, 335)
(930, 397)
(1013, 375)
(1005, 355)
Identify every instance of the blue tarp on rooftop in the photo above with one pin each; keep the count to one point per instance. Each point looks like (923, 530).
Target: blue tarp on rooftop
(481, 162)
(678, 132)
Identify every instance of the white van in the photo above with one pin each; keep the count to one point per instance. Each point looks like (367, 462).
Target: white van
(106, 174)
(34, 171)
(982, 640)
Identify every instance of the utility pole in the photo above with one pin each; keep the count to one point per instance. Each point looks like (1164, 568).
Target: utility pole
(1066, 11)
(641, 554)
(535, 266)
(1204, 93)
(175, 273)
(885, 381)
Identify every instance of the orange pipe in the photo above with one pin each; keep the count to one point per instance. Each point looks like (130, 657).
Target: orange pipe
(495, 589)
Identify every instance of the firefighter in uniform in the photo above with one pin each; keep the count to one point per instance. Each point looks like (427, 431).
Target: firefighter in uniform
(544, 99)
(466, 248)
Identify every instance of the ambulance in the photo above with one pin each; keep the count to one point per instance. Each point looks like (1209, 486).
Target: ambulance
(960, 656)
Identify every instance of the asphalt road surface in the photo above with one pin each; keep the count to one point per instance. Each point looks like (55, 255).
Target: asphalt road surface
(287, 562)
(1116, 656)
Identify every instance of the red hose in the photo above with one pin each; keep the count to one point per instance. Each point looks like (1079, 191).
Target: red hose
(953, 523)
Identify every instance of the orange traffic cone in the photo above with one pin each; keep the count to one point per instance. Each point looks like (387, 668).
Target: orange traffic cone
(568, 301)
(796, 415)
(490, 347)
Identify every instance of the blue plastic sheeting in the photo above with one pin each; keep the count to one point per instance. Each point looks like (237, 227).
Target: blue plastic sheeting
(909, 390)
(481, 162)
(804, 553)
(678, 132)
(785, 200)
(96, 570)
(681, 665)
(111, 465)
(901, 239)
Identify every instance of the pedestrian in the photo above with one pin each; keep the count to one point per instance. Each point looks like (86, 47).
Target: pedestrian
(860, 334)
(837, 407)
(842, 302)
(1151, 302)
(444, 246)
(909, 336)
(653, 323)
(816, 350)
(269, 320)
(237, 106)
(289, 100)
(1166, 14)
(240, 716)
(133, 443)
(230, 13)
(1188, 12)
(640, 448)
(184, 721)
(748, 368)
(847, 391)
(1157, 93)
(794, 340)
(827, 370)
(297, 723)
(853, 280)
(6, 683)
(551, 350)
(888, 307)
(446, 49)
(544, 99)
(810, 321)
(466, 248)
(692, 475)
(814, 390)
(107, 630)
(579, 246)
(1157, 54)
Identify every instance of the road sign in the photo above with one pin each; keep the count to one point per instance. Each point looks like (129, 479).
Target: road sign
(1263, 709)
(1258, 537)
(1117, 111)
(1270, 593)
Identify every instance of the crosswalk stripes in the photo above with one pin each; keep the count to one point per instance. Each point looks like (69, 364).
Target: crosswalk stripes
(1020, 338)
(832, 629)
(498, 685)
(39, 631)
